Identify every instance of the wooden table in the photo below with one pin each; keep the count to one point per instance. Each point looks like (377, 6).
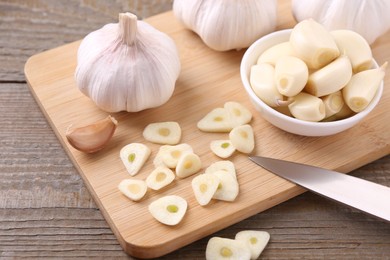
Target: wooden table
(45, 209)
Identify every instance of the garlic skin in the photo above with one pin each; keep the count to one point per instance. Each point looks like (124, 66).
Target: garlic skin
(127, 66)
(224, 24)
(369, 18)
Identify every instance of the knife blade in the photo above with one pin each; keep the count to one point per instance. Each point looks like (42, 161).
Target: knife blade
(364, 195)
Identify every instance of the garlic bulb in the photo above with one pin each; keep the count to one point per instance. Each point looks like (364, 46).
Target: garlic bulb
(227, 24)
(369, 18)
(127, 66)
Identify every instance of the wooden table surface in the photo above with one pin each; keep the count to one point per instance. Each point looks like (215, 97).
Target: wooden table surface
(45, 208)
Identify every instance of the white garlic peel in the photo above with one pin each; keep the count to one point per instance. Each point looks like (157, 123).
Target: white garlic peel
(226, 25)
(366, 17)
(127, 66)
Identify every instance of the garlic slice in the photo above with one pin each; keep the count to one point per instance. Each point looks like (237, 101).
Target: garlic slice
(188, 165)
(224, 248)
(218, 120)
(238, 114)
(226, 166)
(168, 210)
(228, 187)
(272, 54)
(133, 189)
(242, 138)
(307, 107)
(159, 178)
(255, 241)
(222, 148)
(204, 187)
(163, 133)
(172, 154)
(134, 156)
(94, 137)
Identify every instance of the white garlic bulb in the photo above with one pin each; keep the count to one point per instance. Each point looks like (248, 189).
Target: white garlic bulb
(369, 18)
(227, 24)
(127, 66)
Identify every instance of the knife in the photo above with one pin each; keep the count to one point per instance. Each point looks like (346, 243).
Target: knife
(364, 195)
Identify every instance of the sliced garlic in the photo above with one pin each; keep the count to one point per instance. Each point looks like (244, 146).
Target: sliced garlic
(362, 88)
(226, 166)
(158, 159)
(355, 47)
(255, 241)
(223, 248)
(333, 103)
(330, 78)
(307, 107)
(218, 120)
(238, 114)
(291, 75)
(133, 189)
(187, 165)
(159, 178)
(228, 187)
(204, 187)
(222, 148)
(272, 54)
(168, 210)
(262, 80)
(172, 154)
(313, 44)
(93, 137)
(163, 133)
(134, 156)
(242, 138)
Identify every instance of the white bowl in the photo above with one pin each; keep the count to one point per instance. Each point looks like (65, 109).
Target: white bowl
(287, 123)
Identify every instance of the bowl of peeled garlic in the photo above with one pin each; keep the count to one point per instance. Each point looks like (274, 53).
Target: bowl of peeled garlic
(300, 81)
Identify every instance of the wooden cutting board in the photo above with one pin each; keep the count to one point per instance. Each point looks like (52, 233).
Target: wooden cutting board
(208, 79)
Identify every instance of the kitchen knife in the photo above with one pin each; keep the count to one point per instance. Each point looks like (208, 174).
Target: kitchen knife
(358, 193)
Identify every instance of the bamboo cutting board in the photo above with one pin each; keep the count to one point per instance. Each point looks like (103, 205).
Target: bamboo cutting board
(208, 79)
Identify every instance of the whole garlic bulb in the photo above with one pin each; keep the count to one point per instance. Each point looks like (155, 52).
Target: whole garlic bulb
(369, 18)
(127, 66)
(227, 24)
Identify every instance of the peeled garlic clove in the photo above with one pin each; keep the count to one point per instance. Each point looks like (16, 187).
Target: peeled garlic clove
(93, 137)
(333, 103)
(262, 80)
(238, 114)
(172, 154)
(359, 92)
(225, 166)
(307, 107)
(272, 54)
(242, 138)
(228, 187)
(168, 210)
(368, 18)
(204, 187)
(355, 47)
(224, 248)
(127, 66)
(159, 178)
(218, 120)
(163, 133)
(291, 75)
(330, 78)
(134, 156)
(188, 165)
(222, 148)
(255, 241)
(133, 189)
(313, 44)
(238, 23)
(344, 112)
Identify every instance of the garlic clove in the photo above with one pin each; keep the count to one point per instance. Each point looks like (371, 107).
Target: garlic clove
(242, 138)
(307, 107)
(333, 103)
(163, 133)
(92, 138)
(255, 241)
(188, 165)
(225, 166)
(168, 210)
(218, 120)
(204, 187)
(224, 248)
(272, 54)
(134, 156)
(228, 187)
(222, 148)
(133, 189)
(159, 178)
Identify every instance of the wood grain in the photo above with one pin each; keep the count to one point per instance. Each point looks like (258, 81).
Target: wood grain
(46, 210)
